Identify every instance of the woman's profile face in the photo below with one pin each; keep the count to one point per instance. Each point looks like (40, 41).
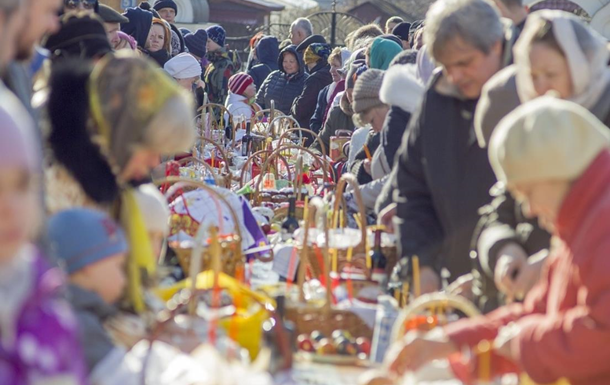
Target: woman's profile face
(550, 71)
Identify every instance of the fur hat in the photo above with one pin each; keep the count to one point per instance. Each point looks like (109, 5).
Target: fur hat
(80, 35)
(546, 139)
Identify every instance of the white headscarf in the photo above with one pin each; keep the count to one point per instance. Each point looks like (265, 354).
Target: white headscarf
(183, 66)
(584, 49)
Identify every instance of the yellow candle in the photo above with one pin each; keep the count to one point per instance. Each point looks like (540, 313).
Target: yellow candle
(416, 280)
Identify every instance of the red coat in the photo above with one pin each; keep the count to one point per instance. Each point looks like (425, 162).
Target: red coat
(565, 319)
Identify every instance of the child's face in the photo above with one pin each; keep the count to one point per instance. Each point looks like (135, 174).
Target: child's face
(106, 278)
(18, 210)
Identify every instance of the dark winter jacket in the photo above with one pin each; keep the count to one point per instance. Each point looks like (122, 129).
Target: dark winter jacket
(305, 104)
(267, 52)
(217, 76)
(357, 167)
(442, 180)
(502, 222)
(337, 120)
(282, 88)
(316, 121)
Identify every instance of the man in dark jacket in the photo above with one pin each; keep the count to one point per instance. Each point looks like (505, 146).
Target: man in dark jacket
(442, 176)
(267, 53)
(284, 85)
(316, 59)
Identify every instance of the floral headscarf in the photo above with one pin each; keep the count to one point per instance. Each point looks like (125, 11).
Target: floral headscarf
(316, 52)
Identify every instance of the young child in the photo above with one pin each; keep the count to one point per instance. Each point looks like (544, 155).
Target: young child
(38, 338)
(92, 249)
(221, 67)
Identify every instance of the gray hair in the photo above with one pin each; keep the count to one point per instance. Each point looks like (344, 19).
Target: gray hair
(9, 6)
(477, 22)
(303, 24)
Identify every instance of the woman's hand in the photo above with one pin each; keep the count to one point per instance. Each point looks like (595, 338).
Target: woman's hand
(415, 351)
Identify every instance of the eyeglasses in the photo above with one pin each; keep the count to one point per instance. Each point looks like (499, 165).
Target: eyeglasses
(75, 4)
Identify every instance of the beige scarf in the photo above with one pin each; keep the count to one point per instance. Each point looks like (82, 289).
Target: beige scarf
(584, 49)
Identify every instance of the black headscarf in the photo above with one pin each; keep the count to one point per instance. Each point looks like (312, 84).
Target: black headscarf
(140, 22)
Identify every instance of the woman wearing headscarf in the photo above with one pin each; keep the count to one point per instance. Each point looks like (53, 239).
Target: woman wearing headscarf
(556, 53)
(381, 52)
(109, 127)
(337, 59)
(316, 60)
(284, 85)
(158, 46)
(267, 51)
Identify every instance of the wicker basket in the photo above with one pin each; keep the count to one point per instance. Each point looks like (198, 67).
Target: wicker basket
(325, 318)
(231, 251)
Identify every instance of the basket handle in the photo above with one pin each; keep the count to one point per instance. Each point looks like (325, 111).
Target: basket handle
(316, 207)
(251, 159)
(277, 151)
(350, 179)
(300, 131)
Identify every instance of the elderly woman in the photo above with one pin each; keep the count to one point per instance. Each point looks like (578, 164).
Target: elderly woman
(337, 60)
(284, 85)
(556, 53)
(562, 329)
(110, 126)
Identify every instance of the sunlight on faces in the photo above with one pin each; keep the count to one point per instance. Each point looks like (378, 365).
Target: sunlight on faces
(168, 14)
(188, 83)
(375, 117)
(542, 200)
(467, 67)
(212, 46)
(112, 31)
(156, 38)
(105, 277)
(140, 164)
(290, 64)
(41, 18)
(297, 35)
(550, 71)
(334, 67)
(250, 91)
(19, 210)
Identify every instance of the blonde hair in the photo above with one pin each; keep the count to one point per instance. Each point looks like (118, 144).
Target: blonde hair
(335, 55)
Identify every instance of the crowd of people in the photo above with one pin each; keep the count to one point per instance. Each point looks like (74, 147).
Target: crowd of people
(479, 136)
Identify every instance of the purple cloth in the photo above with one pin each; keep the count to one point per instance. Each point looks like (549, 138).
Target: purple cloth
(46, 344)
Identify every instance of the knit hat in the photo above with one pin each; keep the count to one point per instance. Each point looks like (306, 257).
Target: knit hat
(239, 82)
(81, 237)
(183, 66)
(402, 30)
(366, 91)
(109, 15)
(393, 38)
(80, 35)
(17, 141)
(154, 208)
(356, 68)
(316, 52)
(217, 34)
(159, 5)
(546, 139)
(196, 42)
